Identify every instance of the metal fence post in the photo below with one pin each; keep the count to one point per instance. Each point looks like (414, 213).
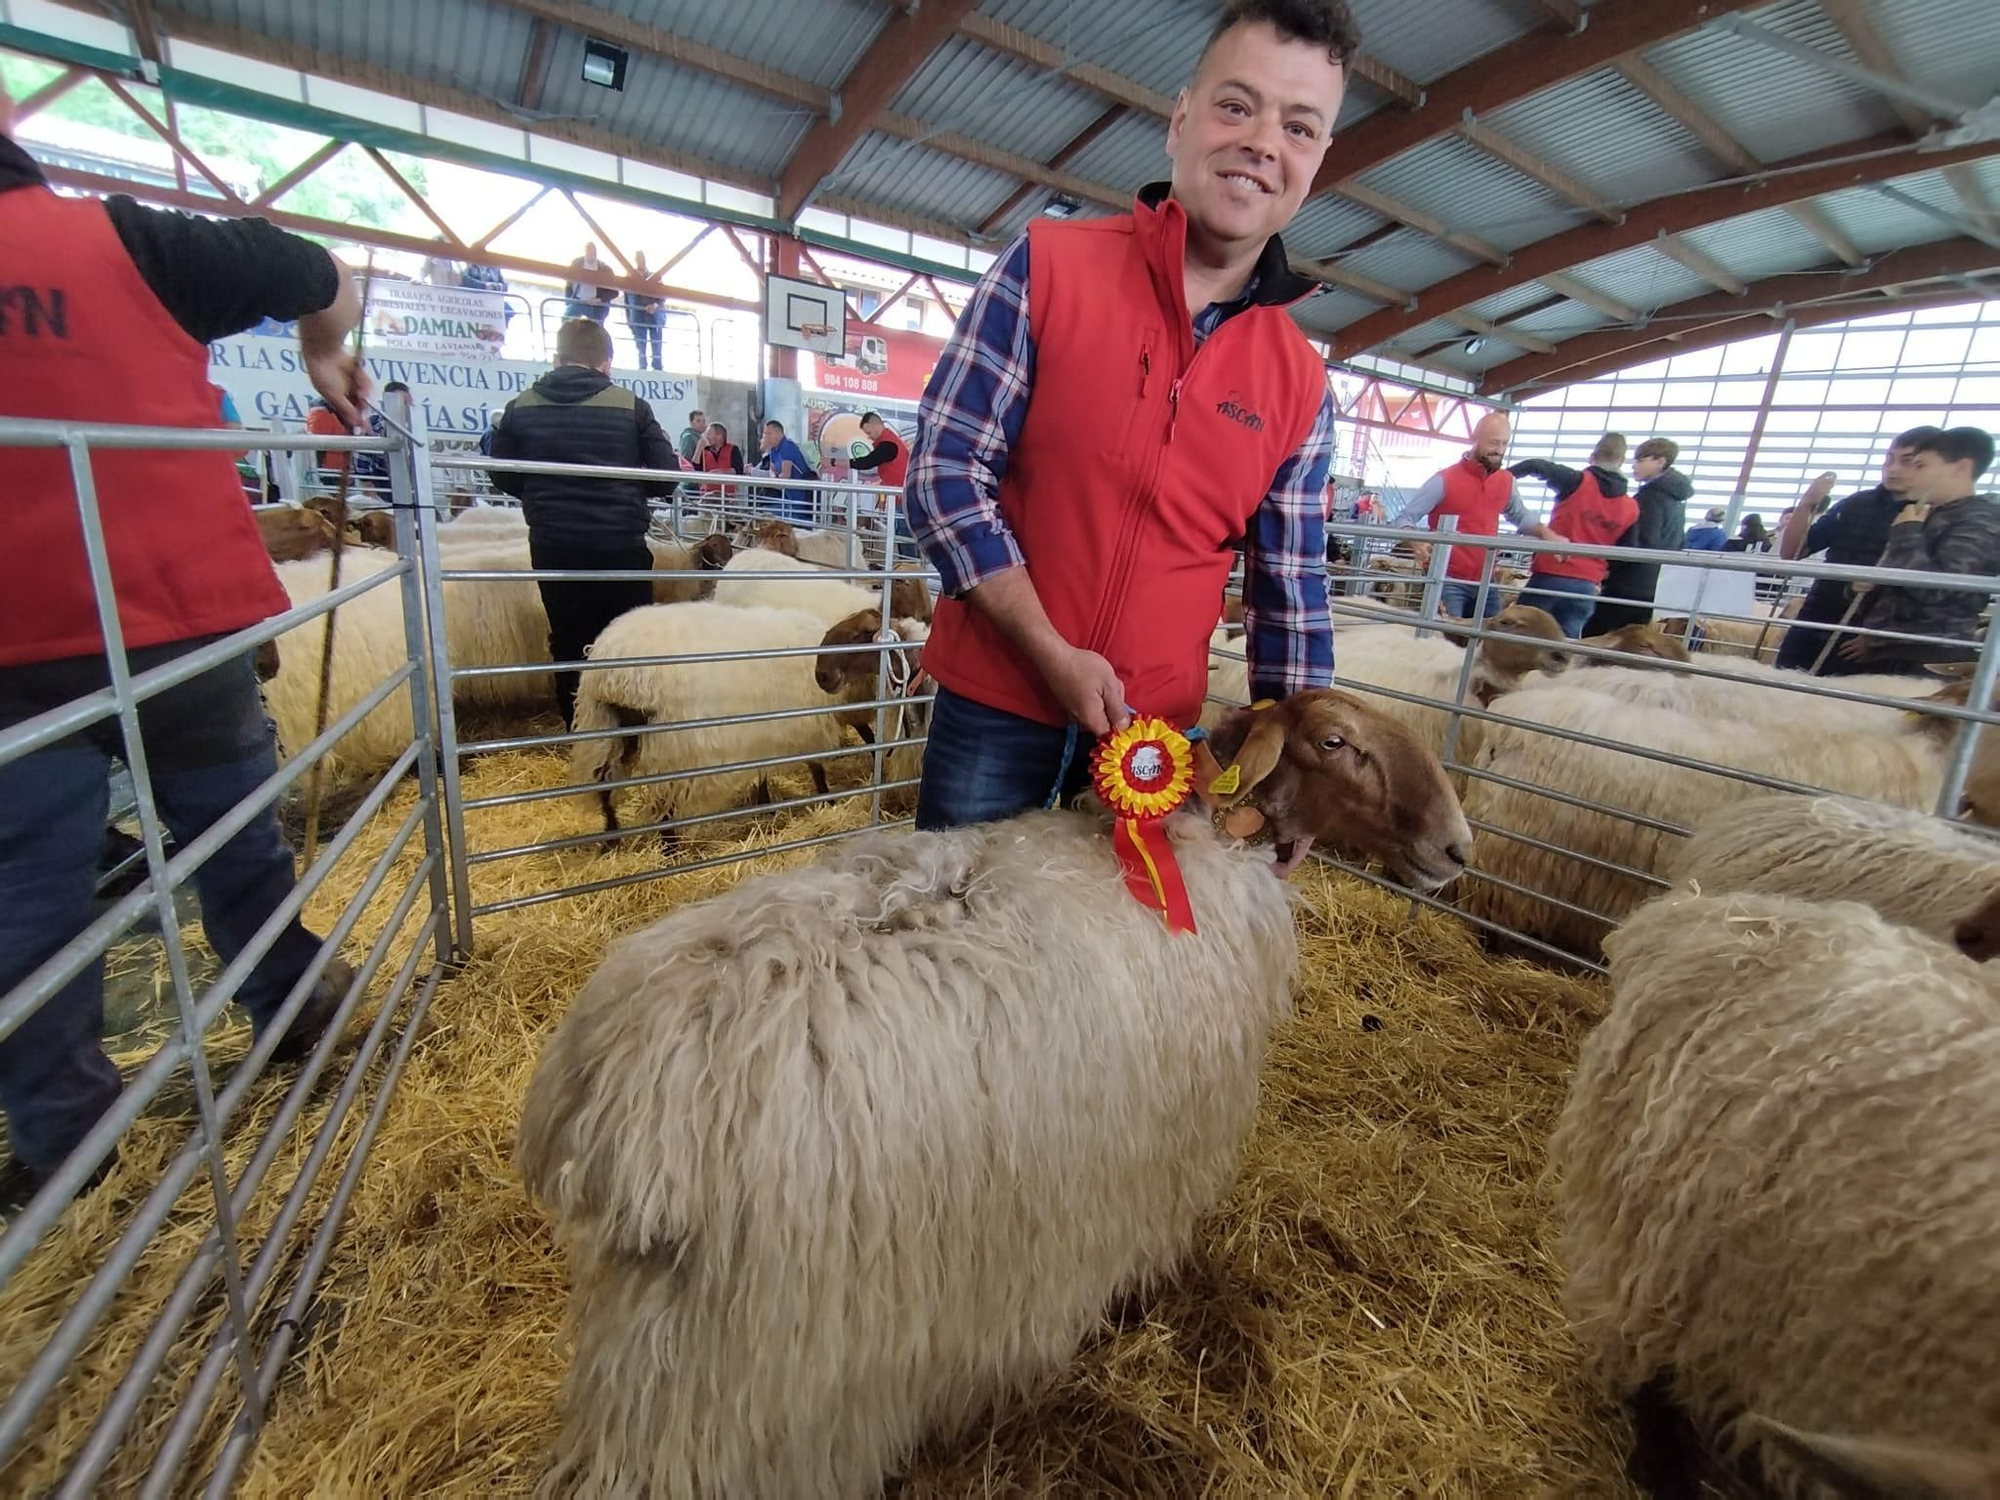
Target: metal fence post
(880, 759)
(1959, 766)
(432, 589)
(1434, 574)
(410, 494)
(207, 1120)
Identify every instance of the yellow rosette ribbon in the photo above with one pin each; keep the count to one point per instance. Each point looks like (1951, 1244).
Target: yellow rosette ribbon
(1142, 773)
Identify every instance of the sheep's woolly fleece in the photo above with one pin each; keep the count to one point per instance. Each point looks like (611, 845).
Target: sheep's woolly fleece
(1374, 1310)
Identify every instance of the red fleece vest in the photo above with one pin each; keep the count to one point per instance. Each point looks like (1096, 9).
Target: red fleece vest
(1478, 499)
(897, 469)
(1139, 461)
(83, 339)
(1589, 516)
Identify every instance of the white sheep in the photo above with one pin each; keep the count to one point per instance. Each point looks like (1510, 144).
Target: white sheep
(486, 624)
(1905, 768)
(646, 694)
(853, 1151)
(1748, 695)
(1779, 1193)
(829, 599)
(1913, 869)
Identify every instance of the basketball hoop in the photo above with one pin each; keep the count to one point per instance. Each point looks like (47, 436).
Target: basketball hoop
(814, 331)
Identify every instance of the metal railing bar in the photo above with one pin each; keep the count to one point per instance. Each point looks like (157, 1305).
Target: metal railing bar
(1642, 820)
(1521, 890)
(639, 731)
(602, 663)
(753, 482)
(102, 1443)
(579, 788)
(588, 840)
(238, 1446)
(1610, 865)
(95, 940)
(666, 872)
(57, 723)
(200, 1395)
(23, 432)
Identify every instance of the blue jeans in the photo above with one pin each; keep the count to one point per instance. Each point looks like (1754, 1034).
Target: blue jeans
(645, 328)
(594, 310)
(1570, 600)
(1456, 600)
(982, 764)
(208, 745)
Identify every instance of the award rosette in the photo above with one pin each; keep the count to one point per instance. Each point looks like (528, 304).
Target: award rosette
(1142, 773)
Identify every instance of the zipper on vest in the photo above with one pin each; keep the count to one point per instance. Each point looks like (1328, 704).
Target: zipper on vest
(1145, 369)
(1173, 407)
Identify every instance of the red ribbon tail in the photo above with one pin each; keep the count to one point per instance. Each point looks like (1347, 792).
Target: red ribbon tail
(1146, 857)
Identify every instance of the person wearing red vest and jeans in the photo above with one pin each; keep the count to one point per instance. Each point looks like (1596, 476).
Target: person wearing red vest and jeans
(1122, 401)
(129, 299)
(887, 463)
(1479, 493)
(1591, 508)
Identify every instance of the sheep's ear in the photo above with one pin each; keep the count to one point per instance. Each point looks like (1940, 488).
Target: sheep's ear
(1258, 756)
(1885, 1465)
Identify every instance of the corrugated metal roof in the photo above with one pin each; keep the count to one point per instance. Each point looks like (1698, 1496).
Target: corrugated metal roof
(1325, 225)
(1562, 321)
(1503, 305)
(1777, 105)
(1642, 278)
(453, 41)
(1154, 42)
(1877, 223)
(913, 179)
(1601, 130)
(976, 91)
(1429, 41)
(1766, 243)
(820, 41)
(1127, 156)
(1332, 310)
(1950, 46)
(1412, 342)
(678, 108)
(1408, 260)
(1454, 181)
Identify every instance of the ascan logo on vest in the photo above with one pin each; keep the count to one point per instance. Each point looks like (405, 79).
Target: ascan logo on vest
(35, 314)
(1237, 410)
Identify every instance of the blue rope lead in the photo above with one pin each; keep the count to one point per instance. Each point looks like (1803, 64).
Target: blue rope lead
(1062, 771)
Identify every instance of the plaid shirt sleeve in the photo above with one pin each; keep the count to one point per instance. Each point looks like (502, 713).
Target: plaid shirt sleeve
(971, 417)
(1288, 627)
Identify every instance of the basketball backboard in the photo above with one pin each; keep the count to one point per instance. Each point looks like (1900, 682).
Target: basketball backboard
(805, 315)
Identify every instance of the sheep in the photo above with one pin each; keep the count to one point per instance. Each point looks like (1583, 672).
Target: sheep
(486, 624)
(1640, 641)
(1778, 1195)
(710, 555)
(630, 696)
(1904, 768)
(768, 536)
(1911, 868)
(376, 528)
(827, 548)
(855, 675)
(831, 599)
(852, 1152)
(293, 532)
(1977, 934)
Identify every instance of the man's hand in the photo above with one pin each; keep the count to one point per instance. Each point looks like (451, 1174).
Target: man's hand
(1086, 686)
(337, 375)
(1421, 551)
(1854, 648)
(1820, 488)
(1914, 511)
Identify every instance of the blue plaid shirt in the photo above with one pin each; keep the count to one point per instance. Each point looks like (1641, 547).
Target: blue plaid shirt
(971, 418)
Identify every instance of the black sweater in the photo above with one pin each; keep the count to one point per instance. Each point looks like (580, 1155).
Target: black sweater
(574, 415)
(1662, 527)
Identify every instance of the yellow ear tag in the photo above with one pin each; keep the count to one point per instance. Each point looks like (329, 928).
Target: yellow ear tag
(1225, 785)
(1263, 703)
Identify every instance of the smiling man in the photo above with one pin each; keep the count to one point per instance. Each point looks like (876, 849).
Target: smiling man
(1122, 401)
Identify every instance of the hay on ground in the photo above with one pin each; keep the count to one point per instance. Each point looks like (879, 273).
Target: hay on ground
(1372, 1312)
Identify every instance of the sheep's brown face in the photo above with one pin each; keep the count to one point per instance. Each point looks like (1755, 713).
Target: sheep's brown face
(1327, 769)
(1978, 935)
(1502, 664)
(776, 536)
(1640, 641)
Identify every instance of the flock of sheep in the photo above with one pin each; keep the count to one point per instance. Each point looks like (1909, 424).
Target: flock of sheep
(885, 1134)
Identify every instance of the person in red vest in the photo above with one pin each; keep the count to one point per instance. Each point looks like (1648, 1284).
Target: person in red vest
(110, 308)
(1122, 400)
(1592, 508)
(889, 460)
(1479, 492)
(718, 456)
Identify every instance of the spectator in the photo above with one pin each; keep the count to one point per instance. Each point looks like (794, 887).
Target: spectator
(587, 298)
(1709, 536)
(1662, 500)
(719, 456)
(1593, 509)
(147, 292)
(645, 315)
(476, 278)
(575, 415)
(1121, 400)
(1943, 527)
(1479, 492)
(692, 435)
(1751, 536)
(885, 463)
(786, 460)
(438, 270)
(1852, 534)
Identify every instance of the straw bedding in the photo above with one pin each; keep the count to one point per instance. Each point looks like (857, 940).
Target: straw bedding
(1374, 1311)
